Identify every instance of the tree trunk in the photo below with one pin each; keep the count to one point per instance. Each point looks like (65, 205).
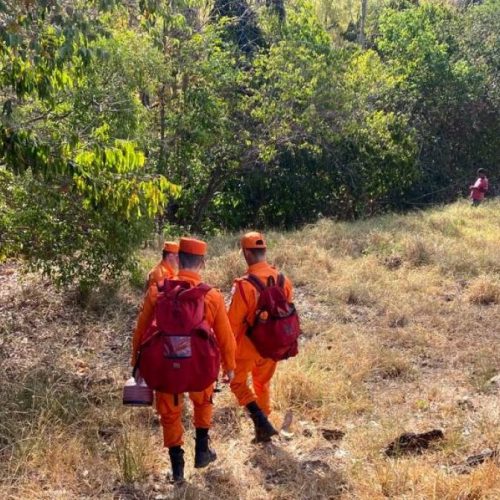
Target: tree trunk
(216, 180)
(362, 23)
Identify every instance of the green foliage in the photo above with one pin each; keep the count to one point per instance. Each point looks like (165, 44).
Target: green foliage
(269, 115)
(7, 241)
(66, 239)
(107, 179)
(79, 197)
(443, 86)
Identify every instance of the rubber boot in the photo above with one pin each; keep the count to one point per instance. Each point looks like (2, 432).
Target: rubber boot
(203, 454)
(264, 430)
(177, 461)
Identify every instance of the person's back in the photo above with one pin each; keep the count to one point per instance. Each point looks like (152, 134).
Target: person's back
(169, 406)
(241, 314)
(479, 189)
(245, 296)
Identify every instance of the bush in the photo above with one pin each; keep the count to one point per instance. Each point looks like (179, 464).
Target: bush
(67, 240)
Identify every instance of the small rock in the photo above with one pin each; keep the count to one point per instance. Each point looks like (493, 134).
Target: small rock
(107, 433)
(494, 381)
(307, 433)
(287, 421)
(277, 477)
(287, 435)
(413, 443)
(465, 403)
(475, 460)
(316, 465)
(487, 454)
(341, 453)
(332, 434)
(393, 262)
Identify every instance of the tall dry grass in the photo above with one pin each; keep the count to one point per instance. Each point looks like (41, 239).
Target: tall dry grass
(401, 319)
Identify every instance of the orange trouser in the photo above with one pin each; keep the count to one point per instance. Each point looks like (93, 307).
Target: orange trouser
(248, 361)
(171, 414)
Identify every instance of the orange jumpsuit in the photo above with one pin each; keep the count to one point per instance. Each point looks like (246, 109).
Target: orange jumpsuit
(169, 409)
(241, 314)
(162, 271)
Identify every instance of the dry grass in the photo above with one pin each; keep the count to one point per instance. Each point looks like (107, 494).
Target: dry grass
(484, 291)
(401, 316)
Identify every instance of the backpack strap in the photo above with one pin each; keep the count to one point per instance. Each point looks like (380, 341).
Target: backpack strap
(166, 285)
(204, 287)
(258, 285)
(255, 282)
(184, 287)
(252, 279)
(281, 280)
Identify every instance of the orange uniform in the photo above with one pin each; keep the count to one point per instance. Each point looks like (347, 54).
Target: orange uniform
(168, 406)
(162, 271)
(241, 315)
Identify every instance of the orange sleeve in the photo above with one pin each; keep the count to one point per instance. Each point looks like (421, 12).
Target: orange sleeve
(241, 308)
(155, 275)
(288, 290)
(222, 329)
(144, 319)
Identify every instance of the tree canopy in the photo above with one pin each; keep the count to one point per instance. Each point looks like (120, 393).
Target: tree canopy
(116, 115)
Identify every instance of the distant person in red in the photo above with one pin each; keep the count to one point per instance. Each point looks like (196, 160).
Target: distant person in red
(479, 189)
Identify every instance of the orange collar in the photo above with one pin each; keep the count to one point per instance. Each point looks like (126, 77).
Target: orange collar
(190, 276)
(260, 266)
(167, 268)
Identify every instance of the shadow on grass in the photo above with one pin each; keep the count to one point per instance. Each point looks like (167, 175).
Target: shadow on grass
(219, 484)
(282, 472)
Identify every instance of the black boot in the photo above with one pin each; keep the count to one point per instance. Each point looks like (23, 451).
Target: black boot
(203, 454)
(177, 460)
(263, 428)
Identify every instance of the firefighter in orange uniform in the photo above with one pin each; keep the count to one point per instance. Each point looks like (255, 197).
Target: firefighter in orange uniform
(191, 261)
(248, 361)
(166, 269)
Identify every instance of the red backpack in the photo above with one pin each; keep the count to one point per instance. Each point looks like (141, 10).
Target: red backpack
(180, 352)
(276, 328)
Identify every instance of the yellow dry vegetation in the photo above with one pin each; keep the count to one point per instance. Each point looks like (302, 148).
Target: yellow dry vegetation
(401, 319)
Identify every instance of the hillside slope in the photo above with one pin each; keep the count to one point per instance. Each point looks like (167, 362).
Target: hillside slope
(401, 319)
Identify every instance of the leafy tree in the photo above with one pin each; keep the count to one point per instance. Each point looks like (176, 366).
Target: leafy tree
(443, 92)
(77, 195)
(322, 143)
(270, 114)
